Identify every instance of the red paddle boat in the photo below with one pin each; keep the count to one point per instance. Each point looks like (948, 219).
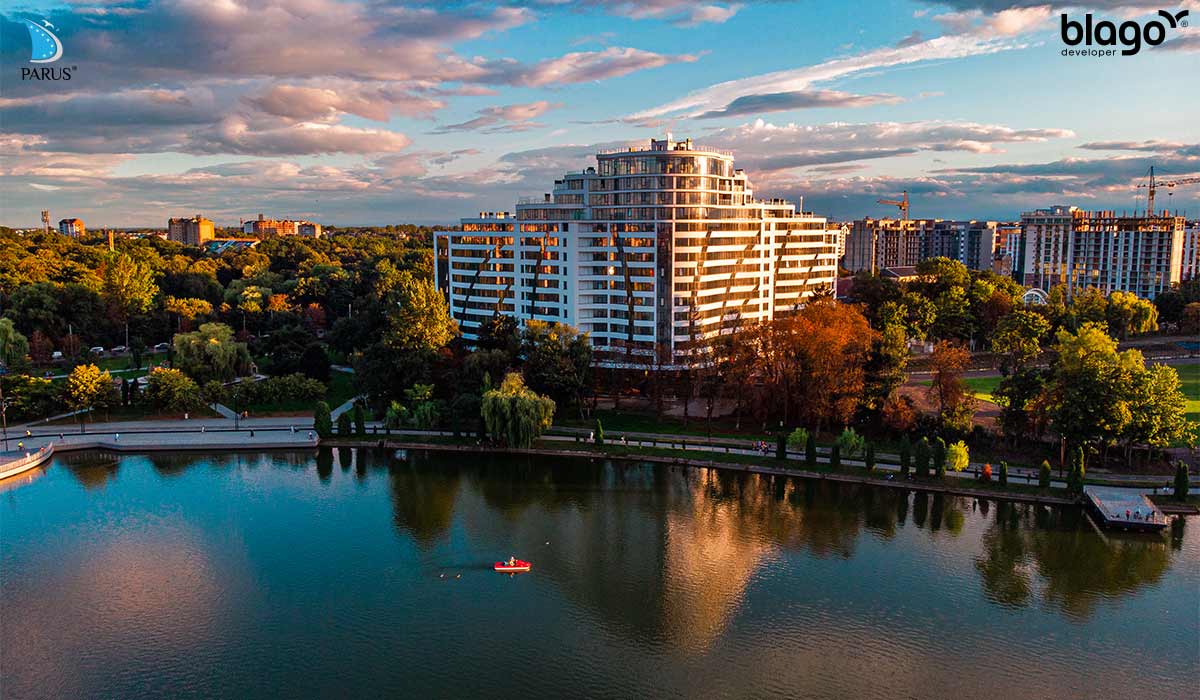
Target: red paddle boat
(512, 566)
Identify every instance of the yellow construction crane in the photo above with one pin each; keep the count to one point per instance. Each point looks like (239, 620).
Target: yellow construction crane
(1153, 185)
(902, 203)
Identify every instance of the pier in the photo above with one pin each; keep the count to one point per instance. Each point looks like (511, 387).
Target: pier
(1124, 509)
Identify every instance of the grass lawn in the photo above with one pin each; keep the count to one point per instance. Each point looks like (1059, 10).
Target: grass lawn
(981, 387)
(617, 422)
(1189, 375)
(339, 390)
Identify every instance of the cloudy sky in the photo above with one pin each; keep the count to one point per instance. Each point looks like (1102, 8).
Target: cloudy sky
(377, 111)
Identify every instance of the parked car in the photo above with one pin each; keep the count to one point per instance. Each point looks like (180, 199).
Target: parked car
(96, 350)
(56, 355)
(119, 349)
(162, 347)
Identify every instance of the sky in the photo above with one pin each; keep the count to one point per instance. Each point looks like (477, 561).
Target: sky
(380, 112)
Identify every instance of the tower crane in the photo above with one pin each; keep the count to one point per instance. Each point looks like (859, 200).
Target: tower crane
(1154, 184)
(901, 203)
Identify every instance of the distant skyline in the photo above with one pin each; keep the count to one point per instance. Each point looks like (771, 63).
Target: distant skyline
(375, 113)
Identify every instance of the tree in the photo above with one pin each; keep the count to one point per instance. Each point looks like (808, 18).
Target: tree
(1044, 474)
(1157, 410)
(418, 317)
(885, 368)
(13, 346)
(939, 457)
(1129, 315)
(835, 457)
(172, 390)
(1003, 474)
(360, 418)
(1019, 397)
(129, 286)
(314, 362)
(958, 457)
(905, 455)
(500, 332)
(1181, 481)
(948, 390)
(1018, 339)
(322, 423)
(810, 450)
(869, 460)
(599, 433)
(921, 458)
(558, 362)
(210, 353)
(343, 424)
(1087, 395)
(515, 414)
(87, 387)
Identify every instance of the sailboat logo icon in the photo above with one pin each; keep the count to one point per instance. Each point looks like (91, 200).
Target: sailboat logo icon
(46, 47)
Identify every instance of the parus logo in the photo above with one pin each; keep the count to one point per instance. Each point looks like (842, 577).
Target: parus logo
(1129, 35)
(44, 47)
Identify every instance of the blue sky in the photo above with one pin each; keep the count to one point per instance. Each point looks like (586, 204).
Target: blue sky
(380, 112)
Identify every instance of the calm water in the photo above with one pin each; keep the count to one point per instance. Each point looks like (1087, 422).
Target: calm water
(263, 576)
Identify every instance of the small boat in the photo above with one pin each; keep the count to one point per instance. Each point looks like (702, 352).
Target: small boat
(512, 566)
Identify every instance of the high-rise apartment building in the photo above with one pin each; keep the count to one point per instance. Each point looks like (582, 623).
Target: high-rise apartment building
(194, 231)
(650, 252)
(72, 227)
(1190, 266)
(878, 244)
(1066, 245)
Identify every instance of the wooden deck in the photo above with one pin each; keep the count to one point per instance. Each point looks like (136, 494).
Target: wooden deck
(1125, 509)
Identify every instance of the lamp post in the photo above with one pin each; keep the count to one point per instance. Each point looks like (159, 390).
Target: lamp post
(4, 415)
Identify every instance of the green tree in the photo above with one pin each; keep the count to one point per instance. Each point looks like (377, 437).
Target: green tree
(958, 457)
(1076, 475)
(939, 457)
(87, 388)
(835, 457)
(948, 391)
(1087, 396)
(322, 423)
(360, 418)
(810, 450)
(851, 442)
(344, 427)
(921, 458)
(13, 346)
(1157, 410)
(1129, 315)
(886, 365)
(210, 353)
(1181, 481)
(418, 317)
(797, 438)
(558, 361)
(1018, 339)
(172, 390)
(129, 286)
(599, 433)
(1044, 474)
(869, 460)
(1003, 473)
(515, 414)
(905, 455)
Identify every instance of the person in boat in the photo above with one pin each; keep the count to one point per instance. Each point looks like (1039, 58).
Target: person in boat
(512, 561)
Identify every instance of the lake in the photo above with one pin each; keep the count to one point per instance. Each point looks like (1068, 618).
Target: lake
(354, 573)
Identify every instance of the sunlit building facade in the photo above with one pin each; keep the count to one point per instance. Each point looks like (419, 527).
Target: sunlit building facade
(194, 231)
(652, 251)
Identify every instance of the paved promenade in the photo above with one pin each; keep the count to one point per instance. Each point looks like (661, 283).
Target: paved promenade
(151, 435)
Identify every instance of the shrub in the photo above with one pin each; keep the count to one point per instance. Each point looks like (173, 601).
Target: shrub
(289, 388)
(798, 438)
(870, 458)
(172, 390)
(1181, 481)
(343, 424)
(810, 450)
(939, 457)
(599, 433)
(835, 456)
(322, 423)
(905, 455)
(1075, 477)
(958, 457)
(1044, 474)
(921, 459)
(851, 442)
(1004, 474)
(360, 418)
(986, 473)
(781, 446)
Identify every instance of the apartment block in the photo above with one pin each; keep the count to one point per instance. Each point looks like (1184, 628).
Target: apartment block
(194, 231)
(71, 227)
(651, 251)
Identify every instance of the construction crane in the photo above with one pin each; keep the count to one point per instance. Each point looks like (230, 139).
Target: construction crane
(1153, 185)
(902, 203)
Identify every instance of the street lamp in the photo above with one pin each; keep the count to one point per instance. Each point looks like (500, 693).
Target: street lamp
(4, 416)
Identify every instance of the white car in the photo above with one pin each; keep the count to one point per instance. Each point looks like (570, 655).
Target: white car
(162, 347)
(97, 350)
(56, 355)
(119, 349)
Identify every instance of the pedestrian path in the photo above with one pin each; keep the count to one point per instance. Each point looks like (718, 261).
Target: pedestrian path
(348, 406)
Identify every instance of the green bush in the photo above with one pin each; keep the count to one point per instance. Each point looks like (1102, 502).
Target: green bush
(343, 424)
(322, 423)
(870, 458)
(851, 442)
(1003, 474)
(1181, 481)
(810, 450)
(905, 455)
(599, 433)
(798, 438)
(360, 418)
(921, 458)
(958, 457)
(289, 388)
(835, 456)
(1044, 474)
(939, 457)
(1075, 477)
(781, 446)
